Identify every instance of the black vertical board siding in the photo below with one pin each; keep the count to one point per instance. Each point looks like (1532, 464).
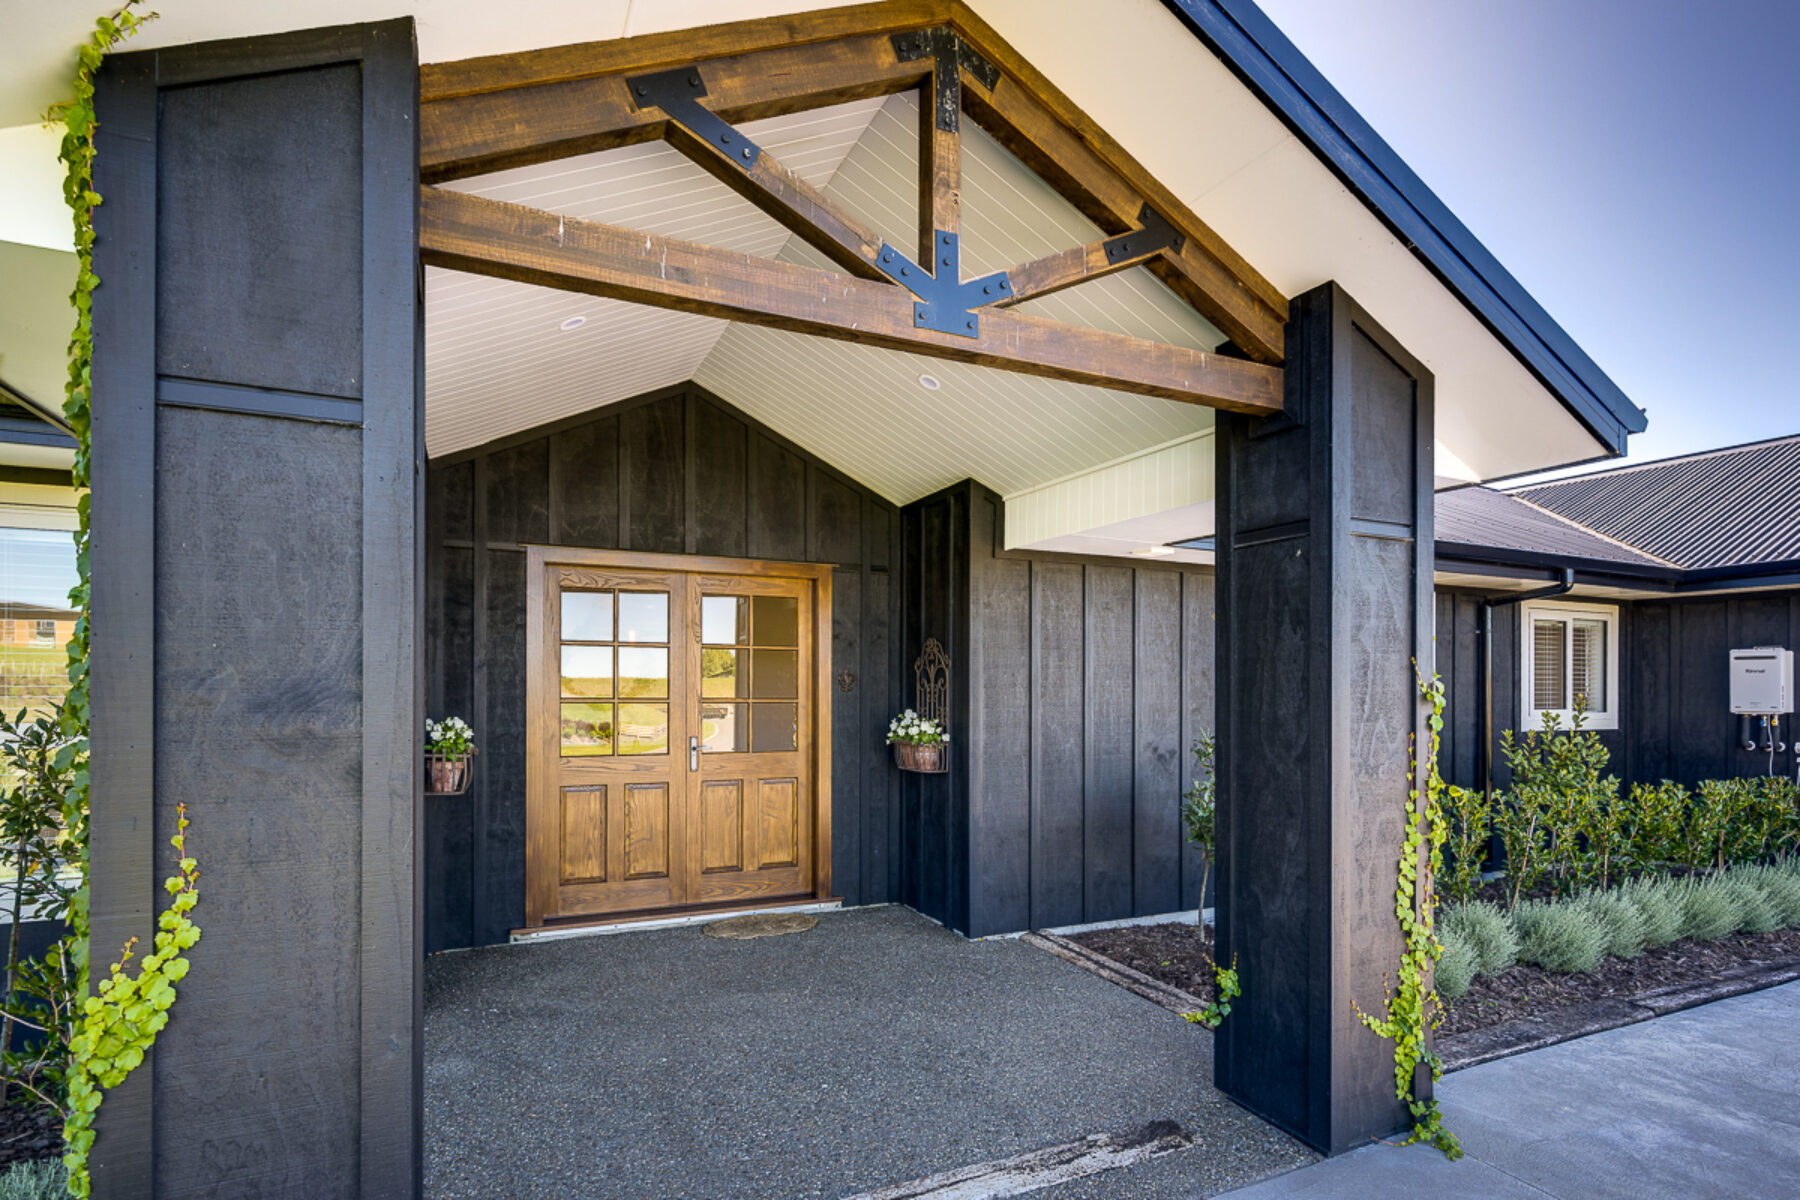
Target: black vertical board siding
(1057, 746)
(1652, 698)
(937, 550)
(1108, 744)
(836, 520)
(653, 449)
(679, 469)
(259, 582)
(1703, 740)
(1198, 685)
(499, 886)
(720, 474)
(777, 501)
(517, 494)
(584, 463)
(449, 820)
(847, 739)
(998, 738)
(1156, 760)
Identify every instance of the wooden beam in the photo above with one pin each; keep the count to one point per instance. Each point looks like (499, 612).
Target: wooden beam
(1031, 117)
(791, 200)
(1065, 269)
(674, 48)
(508, 241)
(940, 158)
(497, 128)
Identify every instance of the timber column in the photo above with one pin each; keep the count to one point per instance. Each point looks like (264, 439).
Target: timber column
(257, 606)
(1324, 552)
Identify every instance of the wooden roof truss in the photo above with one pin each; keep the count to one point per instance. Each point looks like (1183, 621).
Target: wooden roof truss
(694, 89)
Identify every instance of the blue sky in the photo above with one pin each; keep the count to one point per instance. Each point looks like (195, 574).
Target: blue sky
(1634, 163)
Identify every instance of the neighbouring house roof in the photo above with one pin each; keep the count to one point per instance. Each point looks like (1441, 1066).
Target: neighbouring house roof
(1719, 508)
(1478, 516)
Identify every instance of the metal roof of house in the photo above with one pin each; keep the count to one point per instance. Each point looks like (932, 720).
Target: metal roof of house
(1720, 508)
(1478, 516)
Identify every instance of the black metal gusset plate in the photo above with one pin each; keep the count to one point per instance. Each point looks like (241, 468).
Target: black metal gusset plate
(948, 52)
(1153, 233)
(945, 302)
(678, 93)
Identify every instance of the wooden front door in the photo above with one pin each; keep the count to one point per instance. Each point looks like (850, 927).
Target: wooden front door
(674, 733)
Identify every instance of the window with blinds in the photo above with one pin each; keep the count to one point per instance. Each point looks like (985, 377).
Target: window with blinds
(1549, 665)
(1569, 658)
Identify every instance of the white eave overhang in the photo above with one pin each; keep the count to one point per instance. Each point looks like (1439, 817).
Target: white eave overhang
(1206, 94)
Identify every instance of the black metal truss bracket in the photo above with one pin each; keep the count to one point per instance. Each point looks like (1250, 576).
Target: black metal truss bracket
(949, 53)
(678, 93)
(946, 303)
(1153, 233)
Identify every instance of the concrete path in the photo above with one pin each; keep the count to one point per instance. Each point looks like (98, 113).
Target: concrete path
(1699, 1105)
(872, 1050)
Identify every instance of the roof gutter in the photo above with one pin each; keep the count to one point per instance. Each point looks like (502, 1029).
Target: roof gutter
(1272, 67)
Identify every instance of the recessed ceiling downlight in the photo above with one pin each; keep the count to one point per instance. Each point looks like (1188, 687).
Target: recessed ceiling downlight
(929, 383)
(573, 323)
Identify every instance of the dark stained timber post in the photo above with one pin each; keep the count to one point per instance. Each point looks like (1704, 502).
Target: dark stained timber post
(258, 605)
(1324, 594)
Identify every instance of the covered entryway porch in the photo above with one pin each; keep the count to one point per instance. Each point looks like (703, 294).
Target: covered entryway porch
(875, 1049)
(977, 467)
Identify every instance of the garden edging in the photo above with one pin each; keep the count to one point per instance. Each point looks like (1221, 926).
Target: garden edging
(1534, 1033)
(1153, 990)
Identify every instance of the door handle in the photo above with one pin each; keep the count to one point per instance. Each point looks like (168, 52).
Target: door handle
(693, 754)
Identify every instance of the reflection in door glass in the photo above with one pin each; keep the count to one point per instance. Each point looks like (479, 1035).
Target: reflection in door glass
(587, 671)
(643, 729)
(725, 620)
(722, 673)
(775, 674)
(643, 672)
(587, 616)
(587, 729)
(643, 616)
(724, 728)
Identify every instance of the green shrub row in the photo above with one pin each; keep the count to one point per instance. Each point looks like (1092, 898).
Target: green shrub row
(1574, 934)
(1566, 822)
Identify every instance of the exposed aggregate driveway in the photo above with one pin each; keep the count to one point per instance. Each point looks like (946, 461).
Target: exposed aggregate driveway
(871, 1050)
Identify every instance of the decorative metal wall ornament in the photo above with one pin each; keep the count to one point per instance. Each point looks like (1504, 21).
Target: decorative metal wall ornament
(931, 684)
(846, 681)
(449, 774)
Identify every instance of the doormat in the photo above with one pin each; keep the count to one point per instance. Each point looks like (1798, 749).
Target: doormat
(758, 925)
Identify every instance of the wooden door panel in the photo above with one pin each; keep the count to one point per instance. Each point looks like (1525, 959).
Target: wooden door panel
(584, 834)
(721, 826)
(778, 823)
(648, 814)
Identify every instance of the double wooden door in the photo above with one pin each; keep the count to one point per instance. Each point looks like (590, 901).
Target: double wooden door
(673, 733)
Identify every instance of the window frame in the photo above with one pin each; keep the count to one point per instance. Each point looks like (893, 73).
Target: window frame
(1531, 717)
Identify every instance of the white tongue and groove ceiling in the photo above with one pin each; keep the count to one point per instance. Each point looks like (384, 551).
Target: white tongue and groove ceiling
(498, 361)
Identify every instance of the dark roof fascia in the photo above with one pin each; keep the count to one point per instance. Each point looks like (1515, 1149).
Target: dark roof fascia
(44, 413)
(1271, 66)
(1531, 564)
(22, 431)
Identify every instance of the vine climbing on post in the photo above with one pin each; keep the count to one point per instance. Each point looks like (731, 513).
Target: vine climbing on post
(1412, 1010)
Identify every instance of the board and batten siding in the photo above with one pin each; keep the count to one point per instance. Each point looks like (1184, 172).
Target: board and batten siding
(678, 471)
(1675, 720)
(1077, 687)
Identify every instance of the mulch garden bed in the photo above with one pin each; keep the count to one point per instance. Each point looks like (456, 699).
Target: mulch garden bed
(29, 1131)
(1174, 955)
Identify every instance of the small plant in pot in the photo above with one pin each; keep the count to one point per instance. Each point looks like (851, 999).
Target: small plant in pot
(919, 742)
(449, 745)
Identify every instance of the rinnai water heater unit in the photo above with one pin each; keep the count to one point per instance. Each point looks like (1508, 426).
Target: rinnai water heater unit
(1762, 681)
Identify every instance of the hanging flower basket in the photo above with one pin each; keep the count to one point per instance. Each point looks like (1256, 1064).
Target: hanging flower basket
(449, 745)
(933, 759)
(449, 774)
(920, 743)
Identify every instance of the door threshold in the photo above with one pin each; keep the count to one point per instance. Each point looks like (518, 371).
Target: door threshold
(628, 924)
